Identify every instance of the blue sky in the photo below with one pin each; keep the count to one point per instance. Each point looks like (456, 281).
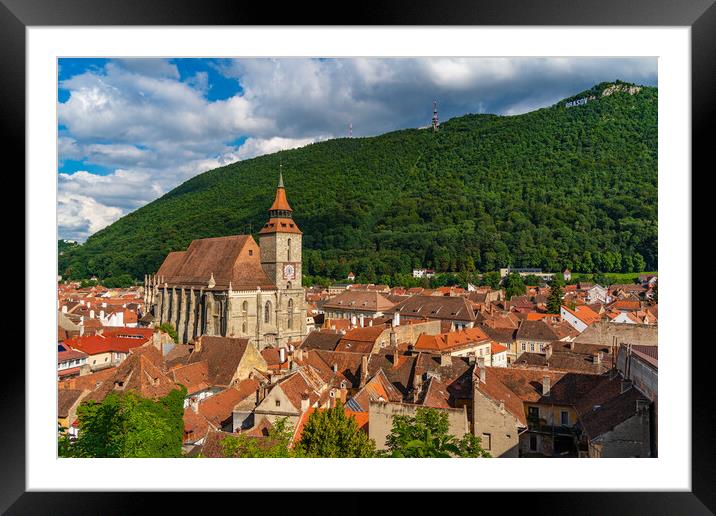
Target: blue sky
(130, 130)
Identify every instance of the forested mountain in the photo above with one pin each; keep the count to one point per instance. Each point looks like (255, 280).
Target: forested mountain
(557, 187)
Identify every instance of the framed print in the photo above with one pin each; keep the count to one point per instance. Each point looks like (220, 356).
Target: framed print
(309, 247)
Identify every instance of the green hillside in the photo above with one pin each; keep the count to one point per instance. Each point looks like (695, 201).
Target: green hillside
(558, 187)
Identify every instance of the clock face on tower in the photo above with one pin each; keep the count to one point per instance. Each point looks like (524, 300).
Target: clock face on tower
(289, 271)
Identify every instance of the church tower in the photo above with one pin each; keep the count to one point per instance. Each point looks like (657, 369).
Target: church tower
(280, 243)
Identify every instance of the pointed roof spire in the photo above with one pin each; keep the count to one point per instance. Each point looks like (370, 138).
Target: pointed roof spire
(280, 202)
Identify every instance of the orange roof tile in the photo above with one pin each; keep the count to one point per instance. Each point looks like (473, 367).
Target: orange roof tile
(280, 202)
(450, 340)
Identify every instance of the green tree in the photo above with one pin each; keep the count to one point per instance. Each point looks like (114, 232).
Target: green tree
(492, 279)
(169, 329)
(514, 285)
(601, 279)
(330, 433)
(554, 301)
(426, 435)
(128, 425)
(532, 280)
(276, 445)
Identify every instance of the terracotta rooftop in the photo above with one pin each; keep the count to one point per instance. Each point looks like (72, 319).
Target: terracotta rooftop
(359, 300)
(223, 355)
(326, 340)
(453, 308)
(219, 408)
(95, 344)
(195, 376)
(451, 340)
(140, 373)
(231, 260)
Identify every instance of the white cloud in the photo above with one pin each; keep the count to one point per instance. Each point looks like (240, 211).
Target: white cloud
(81, 216)
(257, 147)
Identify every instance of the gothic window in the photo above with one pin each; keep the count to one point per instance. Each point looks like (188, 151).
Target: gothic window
(288, 285)
(267, 312)
(245, 306)
(289, 249)
(290, 313)
(243, 328)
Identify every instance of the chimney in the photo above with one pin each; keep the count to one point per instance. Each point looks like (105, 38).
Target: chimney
(445, 360)
(64, 309)
(548, 349)
(417, 387)
(281, 355)
(625, 385)
(370, 322)
(546, 381)
(598, 358)
(335, 367)
(361, 320)
(571, 345)
(502, 406)
(396, 318)
(305, 402)
(353, 321)
(363, 370)
(299, 354)
(91, 314)
(194, 406)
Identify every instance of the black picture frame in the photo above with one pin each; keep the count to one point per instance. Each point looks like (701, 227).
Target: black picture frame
(700, 15)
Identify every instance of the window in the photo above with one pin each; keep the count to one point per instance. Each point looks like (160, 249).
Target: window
(243, 328)
(245, 306)
(267, 312)
(289, 249)
(278, 403)
(532, 347)
(533, 443)
(565, 418)
(251, 252)
(486, 441)
(533, 412)
(523, 346)
(290, 313)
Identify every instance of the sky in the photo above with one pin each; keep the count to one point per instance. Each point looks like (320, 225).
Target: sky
(130, 130)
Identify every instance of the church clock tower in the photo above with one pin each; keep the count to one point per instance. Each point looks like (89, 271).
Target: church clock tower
(280, 243)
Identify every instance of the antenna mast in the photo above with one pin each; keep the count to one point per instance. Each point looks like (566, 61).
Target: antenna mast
(350, 130)
(436, 123)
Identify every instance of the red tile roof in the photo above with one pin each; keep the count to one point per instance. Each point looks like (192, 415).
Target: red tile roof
(95, 344)
(451, 340)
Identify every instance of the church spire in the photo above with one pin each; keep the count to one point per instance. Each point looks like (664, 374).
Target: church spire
(280, 206)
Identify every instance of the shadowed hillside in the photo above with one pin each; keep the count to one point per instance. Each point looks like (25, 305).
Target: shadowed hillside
(558, 187)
